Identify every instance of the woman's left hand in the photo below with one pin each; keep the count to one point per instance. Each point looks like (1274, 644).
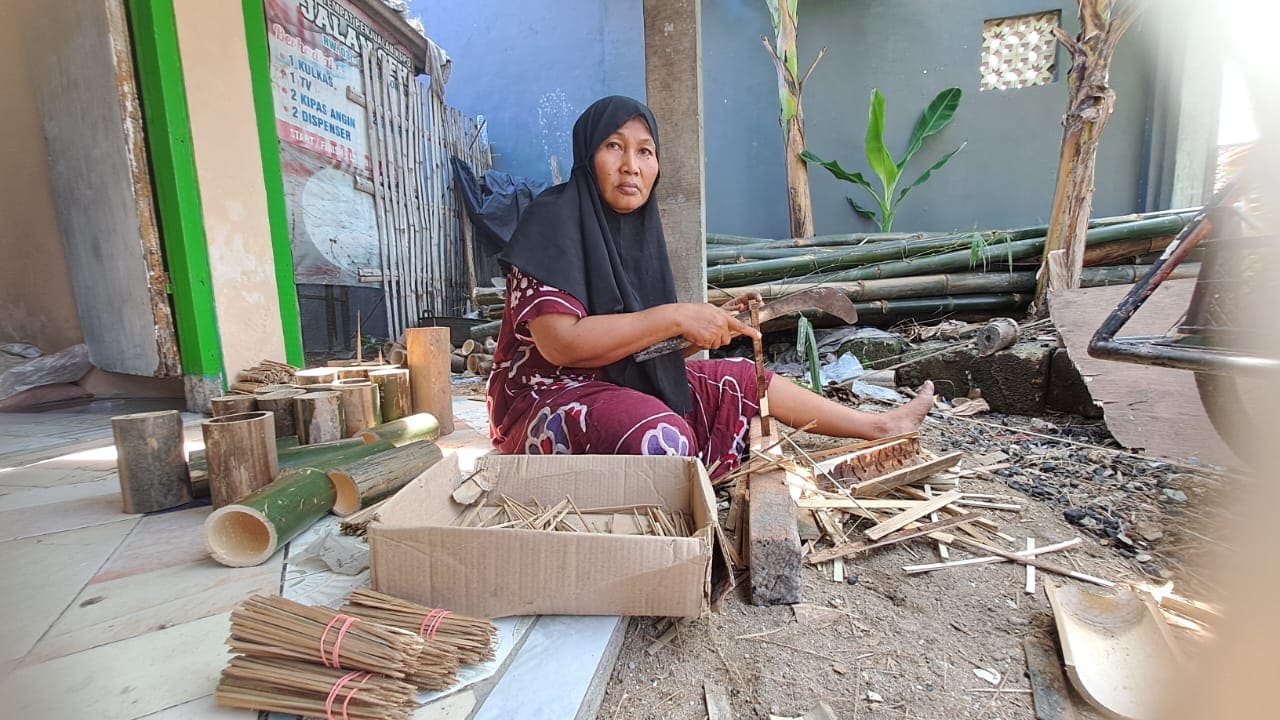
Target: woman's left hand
(742, 303)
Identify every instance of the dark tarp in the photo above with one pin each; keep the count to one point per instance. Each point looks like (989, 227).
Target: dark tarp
(496, 205)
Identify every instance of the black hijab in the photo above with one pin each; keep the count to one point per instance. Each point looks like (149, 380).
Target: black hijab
(571, 239)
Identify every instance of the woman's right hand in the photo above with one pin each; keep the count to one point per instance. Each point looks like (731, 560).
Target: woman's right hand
(710, 327)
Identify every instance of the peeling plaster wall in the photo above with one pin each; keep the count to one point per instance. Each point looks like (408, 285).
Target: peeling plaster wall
(224, 138)
(36, 302)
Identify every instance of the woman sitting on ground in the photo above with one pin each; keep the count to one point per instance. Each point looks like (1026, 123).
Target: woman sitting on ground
(590, 285)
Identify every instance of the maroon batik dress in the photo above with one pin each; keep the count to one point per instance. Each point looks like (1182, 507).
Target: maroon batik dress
(538, 408)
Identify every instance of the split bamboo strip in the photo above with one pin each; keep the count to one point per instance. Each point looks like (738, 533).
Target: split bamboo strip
(988, 559)
(276, 627)
(474, 640)
(306, 689)
(373, 130)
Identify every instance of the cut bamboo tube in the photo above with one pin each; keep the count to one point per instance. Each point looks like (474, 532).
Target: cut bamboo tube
(428, 361)
(316, 376)
(457, 363)
(232, 405)
(268, 389)
(467, 347)
(405, 430)
(996, 335)
(333, 454)
(241, 453)
(250, 531)
(360, 408)
(394, 391)
(473, 639)
(153, 473)
(280, 405)
(318, 416)
(479, 363)
(382, 474)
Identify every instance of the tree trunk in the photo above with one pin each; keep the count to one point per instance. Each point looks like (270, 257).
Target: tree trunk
(152, 470)
(791, 117)
(241, 453)
(318, 416)
(1090, 103)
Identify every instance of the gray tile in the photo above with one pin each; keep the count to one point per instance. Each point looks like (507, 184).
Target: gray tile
(56, 517)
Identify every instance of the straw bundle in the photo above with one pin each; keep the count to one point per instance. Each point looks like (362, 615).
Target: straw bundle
(472, 639)
(275, 627)
(298, 688)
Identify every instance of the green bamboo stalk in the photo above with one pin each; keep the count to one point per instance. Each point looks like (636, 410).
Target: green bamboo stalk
(880, 310)
(720, 239)
(331, 454)
(250, 531)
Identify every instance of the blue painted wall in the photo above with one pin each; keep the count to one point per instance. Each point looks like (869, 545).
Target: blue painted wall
(530, 66)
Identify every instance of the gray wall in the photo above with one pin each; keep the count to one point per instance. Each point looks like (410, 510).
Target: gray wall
(530, 66)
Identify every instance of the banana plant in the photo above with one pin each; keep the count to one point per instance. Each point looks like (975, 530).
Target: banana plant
(807, 348)
(889, 171)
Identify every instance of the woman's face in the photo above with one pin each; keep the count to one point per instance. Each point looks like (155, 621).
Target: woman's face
(626, 166)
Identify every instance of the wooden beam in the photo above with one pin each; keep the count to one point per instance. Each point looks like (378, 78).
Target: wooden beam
(773, 541)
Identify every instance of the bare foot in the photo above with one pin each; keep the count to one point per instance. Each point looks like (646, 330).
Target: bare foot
(907, 418)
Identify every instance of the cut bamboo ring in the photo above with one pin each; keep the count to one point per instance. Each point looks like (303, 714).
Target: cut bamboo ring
(316, 376)
(232, 405)
(268, 389)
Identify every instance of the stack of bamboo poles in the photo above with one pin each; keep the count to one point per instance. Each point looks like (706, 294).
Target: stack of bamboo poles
(309, 660)
(893, 276)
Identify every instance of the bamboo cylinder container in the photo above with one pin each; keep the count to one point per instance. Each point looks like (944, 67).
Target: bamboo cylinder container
(428, 352)
(380, 475)
(241, 454)
(150, 462)
(479, 364)
(232, 405)
(280, 405)
(316, 376)
(318, 416)
(360, 404)
(250, 531)
(268, 389)
(394, 392)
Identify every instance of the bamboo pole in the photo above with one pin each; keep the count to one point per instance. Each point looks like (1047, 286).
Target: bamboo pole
(334, 454)
(251, 530)
(153, 473)
(377, 174)
(405, 430)
(318, 416)
(241, 454)
(381, 475)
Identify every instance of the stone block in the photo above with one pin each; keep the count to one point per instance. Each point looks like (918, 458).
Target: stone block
(874, 348)
(1015, 381)
(1068, 390)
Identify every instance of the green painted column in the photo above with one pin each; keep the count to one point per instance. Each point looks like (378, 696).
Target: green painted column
(255, 35)
(177, 192)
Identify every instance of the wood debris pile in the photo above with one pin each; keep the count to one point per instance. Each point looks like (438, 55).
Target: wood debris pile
(267, 372)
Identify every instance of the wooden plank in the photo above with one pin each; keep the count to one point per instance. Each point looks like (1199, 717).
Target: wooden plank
(85, 90)
(1030, 587)
(1049, 694)
(909, 516)
(773, 542)
(988, 559)
(905, 476)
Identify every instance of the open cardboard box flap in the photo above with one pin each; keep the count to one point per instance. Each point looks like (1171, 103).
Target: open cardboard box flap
(491, 572)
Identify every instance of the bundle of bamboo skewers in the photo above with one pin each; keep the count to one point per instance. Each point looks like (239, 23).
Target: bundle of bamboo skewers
(307, 689)
(648, 519)
(472, 639)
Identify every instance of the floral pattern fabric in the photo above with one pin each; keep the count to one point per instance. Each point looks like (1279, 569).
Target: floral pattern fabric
(538, 408)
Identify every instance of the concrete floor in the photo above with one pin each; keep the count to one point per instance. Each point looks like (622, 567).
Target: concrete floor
(109, 615)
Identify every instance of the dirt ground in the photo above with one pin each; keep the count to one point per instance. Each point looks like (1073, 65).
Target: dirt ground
(892, 645)
(907, 646)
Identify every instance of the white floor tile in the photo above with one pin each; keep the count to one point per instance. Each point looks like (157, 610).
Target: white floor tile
(17, 498)
(56, 517)
(159, 541)
(42, 575)
(201, 709)
(124, 680)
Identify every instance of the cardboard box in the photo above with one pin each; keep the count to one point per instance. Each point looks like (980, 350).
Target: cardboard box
(419, 555)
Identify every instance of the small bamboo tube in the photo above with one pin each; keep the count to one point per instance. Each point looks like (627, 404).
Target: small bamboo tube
(479, 363)
(473, 639)
(457, 363)
(360, 405)
(405, 430)
(428, 360)
(318, 417)
(393, 389)
(232, 405)
(275, 627)
(996, 335)
(280, 405)
(306, 689)
(149, 460)
(248, 532)
(241, 454)
(382, 474)
(316, 376)
(268, 389)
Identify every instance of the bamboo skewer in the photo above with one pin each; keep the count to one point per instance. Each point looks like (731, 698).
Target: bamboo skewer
(473, 640)
(298, 688)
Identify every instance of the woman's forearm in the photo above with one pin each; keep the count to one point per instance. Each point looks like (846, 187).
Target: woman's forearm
(599, 340)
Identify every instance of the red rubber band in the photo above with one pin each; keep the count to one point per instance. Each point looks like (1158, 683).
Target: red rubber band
(431, 632)
(353, 694)
(431, 623)
(333, 694)
(337, 643)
